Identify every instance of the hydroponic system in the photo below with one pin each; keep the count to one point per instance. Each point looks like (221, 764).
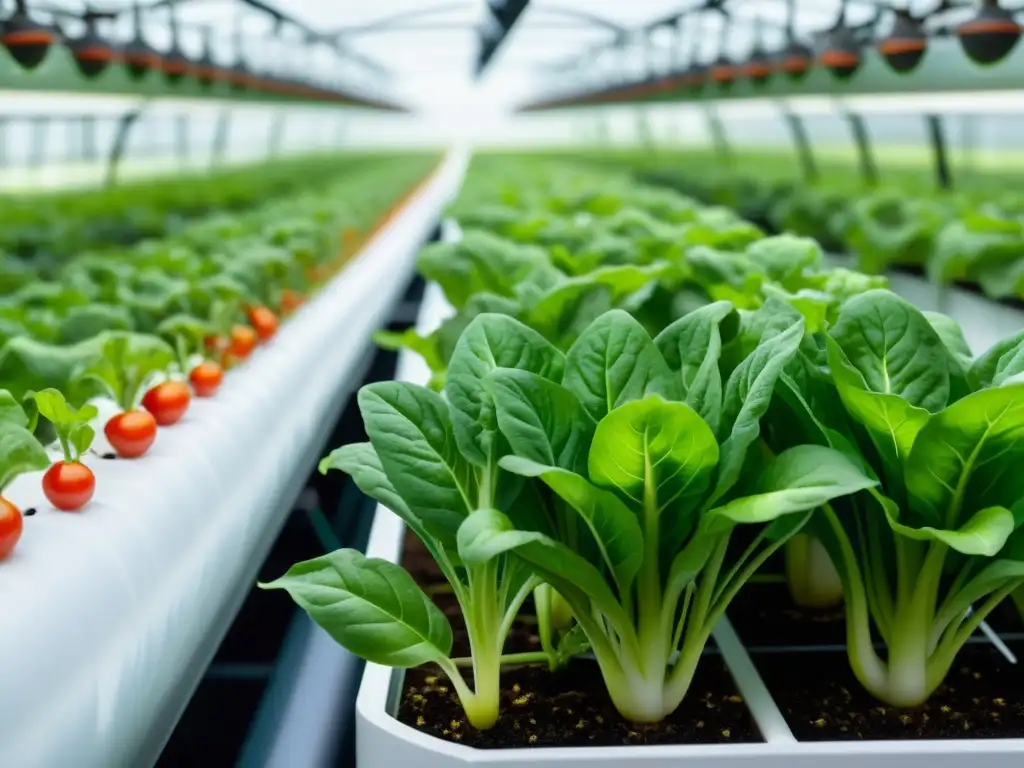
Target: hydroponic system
(507, 383)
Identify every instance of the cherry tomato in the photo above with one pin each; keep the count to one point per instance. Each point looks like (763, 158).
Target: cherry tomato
(168, 402)
(10, 527)
(206, 378)
(290, 301)
(131, 433)
(263, 321)
(69, 485)
(211, 342)
(243, 341)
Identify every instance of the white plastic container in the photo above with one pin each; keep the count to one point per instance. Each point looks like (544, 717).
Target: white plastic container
(381, 740)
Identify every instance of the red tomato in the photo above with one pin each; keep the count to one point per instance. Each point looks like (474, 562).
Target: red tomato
(206, 378)
(213, 343)
(263, 321)
(10, 527)
(131, 433)
(69, 485)
(243, 341)
(168, 402)
(290, 300)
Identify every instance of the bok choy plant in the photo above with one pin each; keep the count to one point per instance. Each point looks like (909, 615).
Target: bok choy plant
(941, 533)
(433, 460)
(657, 454)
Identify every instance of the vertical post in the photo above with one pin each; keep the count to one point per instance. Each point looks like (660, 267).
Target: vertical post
(802, 144)
(968, 143)
(865, 155)
(3, 140)
(181, 138)
(37, 147)
(943, 176)
(89, 137)
(120, 143)
(220, 137)
(340, 129)
(277, 129)
(719, 137)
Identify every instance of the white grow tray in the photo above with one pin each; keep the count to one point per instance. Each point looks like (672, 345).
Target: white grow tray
(381, 740)
(109, 617)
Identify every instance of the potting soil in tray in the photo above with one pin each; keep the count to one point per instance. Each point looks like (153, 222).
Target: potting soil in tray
(764, 615)
(567, 708)
(983, 697)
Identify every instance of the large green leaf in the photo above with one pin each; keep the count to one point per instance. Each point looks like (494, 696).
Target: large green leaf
(982, 534)
(487, 534)
(692, 346)
(614, 526)
(11, 411)
(480, 263)
(371, 607)
(748, 393)
(360, 461)
(894, 347)
(892, 422)
(1003, 361)
(797, 480)
(655, 453)
(614, 362)
(571, 575)
(411, 430)
(20, 452)
(542, 421)
(564, 312)
(969, 457)
(490, 342)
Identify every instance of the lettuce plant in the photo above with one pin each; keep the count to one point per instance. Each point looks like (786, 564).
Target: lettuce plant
(644, 444)
(433, 460)
(941, 534)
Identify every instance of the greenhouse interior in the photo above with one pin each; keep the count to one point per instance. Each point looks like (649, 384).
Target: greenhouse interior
(508, 383)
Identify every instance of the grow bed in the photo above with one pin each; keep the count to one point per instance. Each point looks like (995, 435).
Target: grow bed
(111, 617)
(787, 702)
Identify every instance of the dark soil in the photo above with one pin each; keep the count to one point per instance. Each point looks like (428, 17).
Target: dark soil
(983, 697)
(568, 708)
(571, 708)
(764, 615)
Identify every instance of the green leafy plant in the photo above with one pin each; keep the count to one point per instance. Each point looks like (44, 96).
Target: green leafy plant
(71, 425)
(645, 442)
(942, 531)
(434, 461)
(122, 366)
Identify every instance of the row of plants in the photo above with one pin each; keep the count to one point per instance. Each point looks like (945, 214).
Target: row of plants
(971, 235)
(38, 233)
(636, 401)
(139, 330)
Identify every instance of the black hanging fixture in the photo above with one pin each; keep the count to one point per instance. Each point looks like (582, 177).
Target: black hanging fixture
(140, 57)
(991, 35)
(91, 53)
(26, 40)
(759, 67)
(841, 52)
(239, 75)
(696, 74)
(795, 59)
(723, 70)
(174, 63)
(206, 68)
(905, 46)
